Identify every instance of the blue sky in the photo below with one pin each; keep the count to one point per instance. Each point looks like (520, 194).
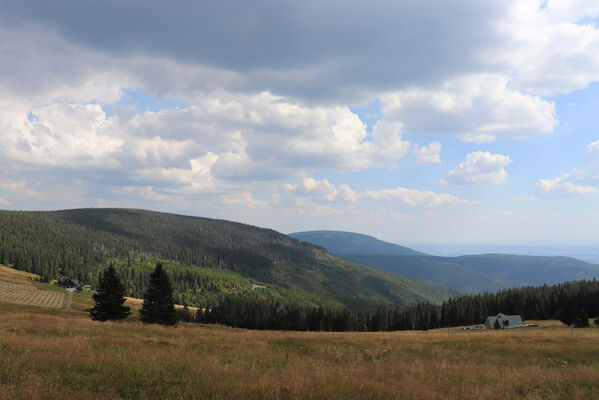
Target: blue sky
(417, 122)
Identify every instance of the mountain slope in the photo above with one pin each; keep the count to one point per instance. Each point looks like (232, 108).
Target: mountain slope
(472, 273)
(78, 243)
(486, 272)
(338, 242)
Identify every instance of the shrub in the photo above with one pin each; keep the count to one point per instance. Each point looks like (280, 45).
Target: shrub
(183, 314)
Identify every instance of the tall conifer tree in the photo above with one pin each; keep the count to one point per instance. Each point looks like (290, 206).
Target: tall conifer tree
(568, 312)
(109, 298)
(158, 306)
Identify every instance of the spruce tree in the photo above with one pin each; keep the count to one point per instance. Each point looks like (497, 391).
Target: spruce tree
(109, 298)
(158, 307)
(568, 312)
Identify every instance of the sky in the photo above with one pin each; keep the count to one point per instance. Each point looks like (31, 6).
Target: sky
(417, 122)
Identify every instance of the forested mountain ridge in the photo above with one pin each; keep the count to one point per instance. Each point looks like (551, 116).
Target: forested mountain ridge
(468, 273)
(340, 242)
(78, 243)
(484, 272)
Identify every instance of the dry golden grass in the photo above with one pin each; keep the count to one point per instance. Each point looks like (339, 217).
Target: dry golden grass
(8, 274)
(57, 354)
(63, 354)
(136, 303)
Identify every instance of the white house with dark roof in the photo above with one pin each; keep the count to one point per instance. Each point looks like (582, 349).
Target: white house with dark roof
(505, 321)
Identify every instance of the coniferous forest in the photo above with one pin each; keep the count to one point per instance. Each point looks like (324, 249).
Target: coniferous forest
(257, 278)
(532, 303)
(205, 259)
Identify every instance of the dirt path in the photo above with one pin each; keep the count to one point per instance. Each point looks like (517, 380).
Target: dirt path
(69, 299)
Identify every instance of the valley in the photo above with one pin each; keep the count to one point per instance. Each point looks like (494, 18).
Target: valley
(466, 273)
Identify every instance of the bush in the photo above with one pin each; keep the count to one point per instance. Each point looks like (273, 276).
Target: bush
(183, 314)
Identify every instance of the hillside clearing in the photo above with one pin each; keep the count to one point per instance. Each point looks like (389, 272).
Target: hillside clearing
(17, 287)
(8, 274)
(20, 293)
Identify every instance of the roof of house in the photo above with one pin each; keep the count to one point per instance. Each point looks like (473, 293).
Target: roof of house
(505, 321)
(64, 279)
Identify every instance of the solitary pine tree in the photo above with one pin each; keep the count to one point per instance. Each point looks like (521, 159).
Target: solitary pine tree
(109, 298)
(158, 307)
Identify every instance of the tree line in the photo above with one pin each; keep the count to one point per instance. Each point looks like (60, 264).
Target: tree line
(569, 302)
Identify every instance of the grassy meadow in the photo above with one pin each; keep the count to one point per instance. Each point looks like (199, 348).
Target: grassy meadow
(50, 353)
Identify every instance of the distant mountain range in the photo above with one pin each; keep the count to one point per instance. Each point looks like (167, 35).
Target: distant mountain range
(585, 253)
(470, 273)
(338, 242)
(203, 255)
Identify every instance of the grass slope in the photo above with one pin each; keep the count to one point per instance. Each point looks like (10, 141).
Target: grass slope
(79, 242)
(60, 354)
(487, 272)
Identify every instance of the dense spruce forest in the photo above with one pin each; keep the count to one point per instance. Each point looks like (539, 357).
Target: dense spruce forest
(536, 303)
(340, 242)
(207, 259)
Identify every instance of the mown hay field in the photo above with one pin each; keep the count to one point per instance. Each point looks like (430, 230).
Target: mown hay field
(53, 354)
(23, 293)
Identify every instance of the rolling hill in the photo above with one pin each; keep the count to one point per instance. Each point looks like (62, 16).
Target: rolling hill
(469, 273)
(205, 258)
(338, 242)
(485, 272)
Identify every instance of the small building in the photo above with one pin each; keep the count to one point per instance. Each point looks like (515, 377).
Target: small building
(505, 321)
(67, 282)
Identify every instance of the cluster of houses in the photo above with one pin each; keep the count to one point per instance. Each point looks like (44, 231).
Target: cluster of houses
(69, 283)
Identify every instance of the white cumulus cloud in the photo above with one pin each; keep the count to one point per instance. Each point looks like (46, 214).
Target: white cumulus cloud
(479, 168)
(582, 180)
(430, 154)
(321, 190)
(478, 108)
(324, 191)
